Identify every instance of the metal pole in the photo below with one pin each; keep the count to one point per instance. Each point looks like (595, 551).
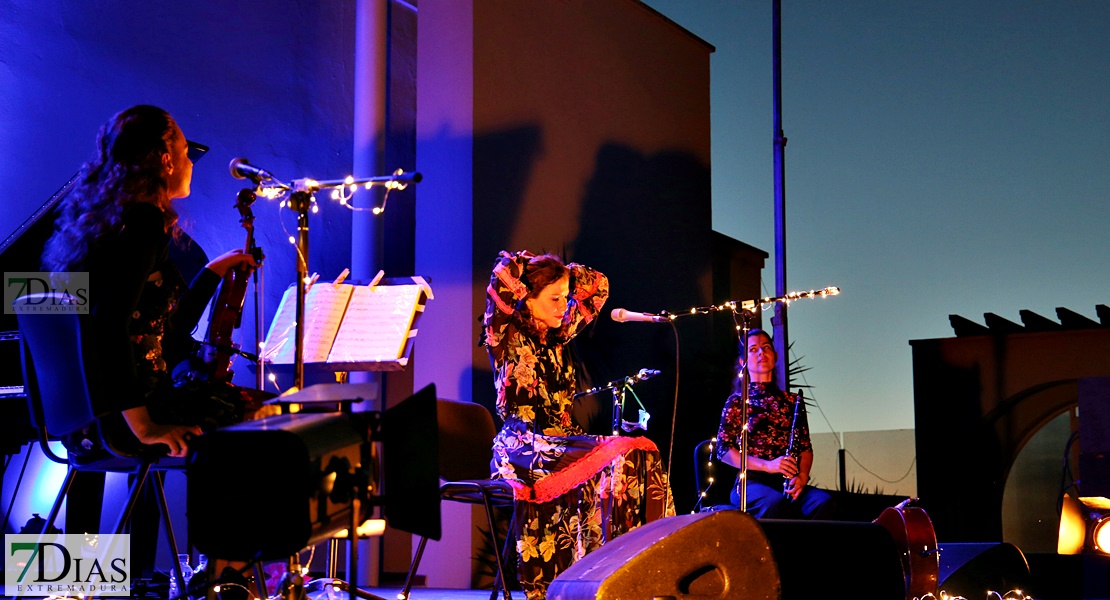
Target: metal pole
(371, 44)
(367, 229)
(779, 319)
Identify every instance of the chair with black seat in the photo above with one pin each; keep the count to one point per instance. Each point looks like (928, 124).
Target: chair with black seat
(466, 431)
(61, 405)
(715, 479)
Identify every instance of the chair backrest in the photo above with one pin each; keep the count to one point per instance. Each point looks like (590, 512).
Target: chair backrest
(713, 477)
(466, 431)
(54, 367)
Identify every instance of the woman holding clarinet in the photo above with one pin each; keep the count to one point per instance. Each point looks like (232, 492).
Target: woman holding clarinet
(780, 454)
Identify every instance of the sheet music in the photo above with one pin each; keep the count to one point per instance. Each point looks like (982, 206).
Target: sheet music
(377, 324)
(324, 308)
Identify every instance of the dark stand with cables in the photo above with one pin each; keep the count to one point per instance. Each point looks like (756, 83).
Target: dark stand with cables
(618, 388)
(300, 201)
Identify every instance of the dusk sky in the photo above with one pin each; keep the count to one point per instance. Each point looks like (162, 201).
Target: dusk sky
(944, 157)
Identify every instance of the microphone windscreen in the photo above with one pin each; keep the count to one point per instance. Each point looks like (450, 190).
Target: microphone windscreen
(234, 167)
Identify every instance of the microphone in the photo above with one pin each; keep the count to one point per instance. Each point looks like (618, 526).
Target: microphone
(241, 169)
(644, 375)
(621, 315)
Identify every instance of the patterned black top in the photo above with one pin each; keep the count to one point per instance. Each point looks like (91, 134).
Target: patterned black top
(770, 413)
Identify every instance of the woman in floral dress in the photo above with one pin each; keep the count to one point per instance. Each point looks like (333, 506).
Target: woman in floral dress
(574, 491)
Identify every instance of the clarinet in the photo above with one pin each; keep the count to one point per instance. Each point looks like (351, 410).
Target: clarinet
(790, 450)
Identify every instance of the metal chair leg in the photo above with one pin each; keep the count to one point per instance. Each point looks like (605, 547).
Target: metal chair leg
(71, 474)
(332, 567)
(160, 491)
(404, 595)
(133, 497)
(499, 583)
(497, 553)
(15, 491)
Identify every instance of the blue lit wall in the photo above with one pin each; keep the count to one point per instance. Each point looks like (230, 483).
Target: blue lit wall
(269, 81)
(586, 132)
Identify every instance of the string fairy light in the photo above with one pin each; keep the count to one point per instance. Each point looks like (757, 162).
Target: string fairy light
(341, 191)
(1015, 594)
(219, 586)
(710, 480)
(754, 305)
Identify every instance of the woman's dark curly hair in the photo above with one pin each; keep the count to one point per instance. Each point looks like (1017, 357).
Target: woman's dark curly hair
(542, 271)
(126, 169)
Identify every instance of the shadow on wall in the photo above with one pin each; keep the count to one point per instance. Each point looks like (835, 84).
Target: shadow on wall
(646, 223)
(503, 164)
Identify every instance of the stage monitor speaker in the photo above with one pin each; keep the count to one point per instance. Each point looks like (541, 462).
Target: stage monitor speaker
(835, 559)
(720, 554)
(971, 569)
(729, 554)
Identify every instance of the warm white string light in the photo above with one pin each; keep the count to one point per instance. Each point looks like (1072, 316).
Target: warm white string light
(341, 191)
(292, 239)
(273, 380)
(754, 305)
(711, 480)
(1015, 594)
(219, 586)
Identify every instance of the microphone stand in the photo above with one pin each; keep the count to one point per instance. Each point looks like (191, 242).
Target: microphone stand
(618, 387)
(300, 201)
(259, 313)
(746, 310)
(745, 379)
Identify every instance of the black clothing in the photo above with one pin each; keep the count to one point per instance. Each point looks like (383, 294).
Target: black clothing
(136, 294)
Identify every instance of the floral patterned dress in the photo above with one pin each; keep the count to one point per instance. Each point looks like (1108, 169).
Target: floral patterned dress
(574, 491)
(770, 423)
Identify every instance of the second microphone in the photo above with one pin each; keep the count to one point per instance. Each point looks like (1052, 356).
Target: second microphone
(621, 315)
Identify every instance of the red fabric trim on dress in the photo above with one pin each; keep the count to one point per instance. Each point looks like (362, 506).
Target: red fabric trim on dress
(520, 491)
(560, 482)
